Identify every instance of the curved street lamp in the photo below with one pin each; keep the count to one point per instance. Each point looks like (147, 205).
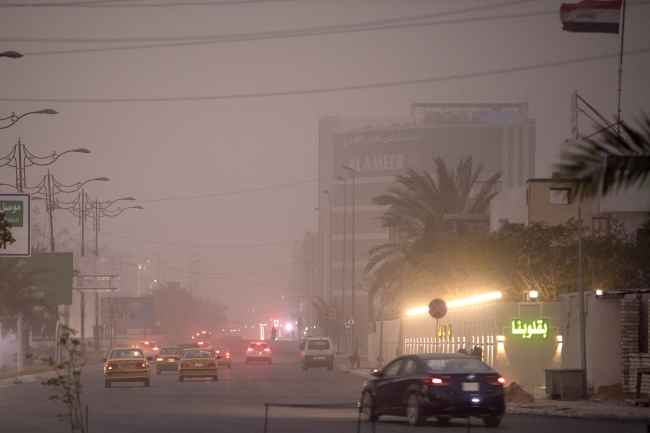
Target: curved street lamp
(13, 118)
(11, 54)
(20, 158)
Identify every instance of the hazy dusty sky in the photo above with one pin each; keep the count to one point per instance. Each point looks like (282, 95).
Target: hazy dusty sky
(159, 150)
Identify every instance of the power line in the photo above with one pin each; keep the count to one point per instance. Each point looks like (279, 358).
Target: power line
(110, 4)
(236, 37)
(340, 88)
(287, 34)
(230, 193)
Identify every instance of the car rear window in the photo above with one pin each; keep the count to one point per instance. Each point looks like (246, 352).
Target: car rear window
(127, 353)
(171, 351)
(318, 345)
(198, 354)
(259, 345)
(220, 349)
(456, 364)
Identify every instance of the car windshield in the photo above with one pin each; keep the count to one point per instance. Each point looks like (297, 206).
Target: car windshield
(126, 353)
(259, 345)
(456, 364)
(171, 351)
(198, 354)
(318, 344)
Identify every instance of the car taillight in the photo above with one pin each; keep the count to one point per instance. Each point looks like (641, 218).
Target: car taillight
(250, 349)
(141, 365)
(227, 355)
(184, 365)
(436, 381)
(155, 348)
(267, 350)
(497, 380)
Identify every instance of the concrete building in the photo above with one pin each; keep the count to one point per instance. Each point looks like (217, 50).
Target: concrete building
(499, 136)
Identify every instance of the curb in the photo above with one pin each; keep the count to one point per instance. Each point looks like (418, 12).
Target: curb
(19, 380)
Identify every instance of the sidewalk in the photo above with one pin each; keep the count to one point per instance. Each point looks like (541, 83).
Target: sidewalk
(571, 409)
(19, 380)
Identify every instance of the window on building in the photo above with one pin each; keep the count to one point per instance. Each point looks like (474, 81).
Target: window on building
(560, 196)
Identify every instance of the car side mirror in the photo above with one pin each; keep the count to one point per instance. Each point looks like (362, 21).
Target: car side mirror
(103, 359)
(149, 358)
(217, 357)
(376, 373)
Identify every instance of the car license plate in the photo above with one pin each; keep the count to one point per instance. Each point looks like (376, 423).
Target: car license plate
(260, 353)
(470, 386)
(319, 357)
(170, 360)
(198, 364)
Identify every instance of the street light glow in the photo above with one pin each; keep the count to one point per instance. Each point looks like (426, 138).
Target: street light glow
(459, 303)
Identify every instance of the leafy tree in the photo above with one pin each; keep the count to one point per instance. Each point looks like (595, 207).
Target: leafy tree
(612, 162)
(21, 291)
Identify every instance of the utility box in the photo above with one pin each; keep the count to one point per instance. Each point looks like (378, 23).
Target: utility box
(564, 383)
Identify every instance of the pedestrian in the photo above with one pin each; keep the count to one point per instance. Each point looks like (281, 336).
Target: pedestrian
(274, 333)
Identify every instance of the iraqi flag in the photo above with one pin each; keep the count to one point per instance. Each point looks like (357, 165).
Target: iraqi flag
(591, 16)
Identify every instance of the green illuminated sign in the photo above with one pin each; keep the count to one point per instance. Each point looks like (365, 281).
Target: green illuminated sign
(527, 330)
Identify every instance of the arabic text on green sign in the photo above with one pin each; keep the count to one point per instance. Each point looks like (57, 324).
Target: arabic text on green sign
(13, 211)
(527, 330)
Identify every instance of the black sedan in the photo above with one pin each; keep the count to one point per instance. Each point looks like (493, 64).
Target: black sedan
(443, 385)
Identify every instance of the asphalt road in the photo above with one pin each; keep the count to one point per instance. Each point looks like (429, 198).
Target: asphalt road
(236, 404)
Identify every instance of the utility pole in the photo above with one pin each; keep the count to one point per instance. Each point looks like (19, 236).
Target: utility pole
(353, 172)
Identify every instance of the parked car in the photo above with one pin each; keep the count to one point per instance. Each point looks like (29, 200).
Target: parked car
(198, 363)
(126, 365)
(440, 385)
(167, 359)
(258, 351)
(316, 352)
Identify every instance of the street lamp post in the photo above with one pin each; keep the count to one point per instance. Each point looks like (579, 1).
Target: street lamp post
(189, 274)
(352, 175)
(13, 118)
(320, 250)
(158, 280)
(345, 218)
(11, 54)
(20, 158)
(330, 241)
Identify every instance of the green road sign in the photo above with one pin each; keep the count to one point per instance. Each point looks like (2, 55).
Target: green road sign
(13, 211)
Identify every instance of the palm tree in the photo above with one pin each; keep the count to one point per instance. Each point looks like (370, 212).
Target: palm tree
(612, 162)
(417, 206)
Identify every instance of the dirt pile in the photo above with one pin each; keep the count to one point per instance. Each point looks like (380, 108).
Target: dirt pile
(609, 393)
(515, 394)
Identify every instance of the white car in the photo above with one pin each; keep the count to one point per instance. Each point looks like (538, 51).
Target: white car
(258, 351)
(316, 352)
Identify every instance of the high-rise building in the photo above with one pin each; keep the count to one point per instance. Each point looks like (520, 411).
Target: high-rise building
(359, 158)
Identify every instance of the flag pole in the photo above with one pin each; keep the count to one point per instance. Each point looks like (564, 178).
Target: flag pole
(620, 71)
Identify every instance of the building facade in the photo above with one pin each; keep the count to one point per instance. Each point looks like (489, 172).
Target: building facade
(359, 158)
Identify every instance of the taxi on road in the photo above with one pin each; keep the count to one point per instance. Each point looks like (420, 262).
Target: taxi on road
(198, 363)
(167, 359)
(225, 360)
(126, 365)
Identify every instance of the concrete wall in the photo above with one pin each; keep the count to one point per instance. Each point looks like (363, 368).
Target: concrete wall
(540, 209)
(603, 332)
